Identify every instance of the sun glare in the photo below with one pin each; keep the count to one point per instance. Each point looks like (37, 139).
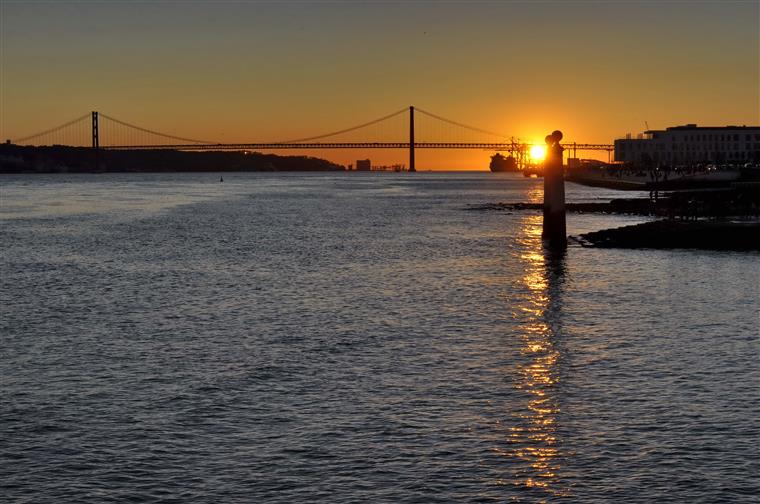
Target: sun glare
(537, 152)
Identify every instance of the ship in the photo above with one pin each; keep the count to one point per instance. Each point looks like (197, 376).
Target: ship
(500, 163)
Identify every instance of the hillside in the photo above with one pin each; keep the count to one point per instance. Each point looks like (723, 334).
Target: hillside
(60, 159)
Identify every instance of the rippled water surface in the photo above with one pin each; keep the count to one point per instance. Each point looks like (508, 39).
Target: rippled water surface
(361, 337)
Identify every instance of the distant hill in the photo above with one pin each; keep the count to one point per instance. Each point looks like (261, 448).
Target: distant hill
(61, 159)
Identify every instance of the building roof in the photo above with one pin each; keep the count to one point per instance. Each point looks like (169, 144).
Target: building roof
(695, 127)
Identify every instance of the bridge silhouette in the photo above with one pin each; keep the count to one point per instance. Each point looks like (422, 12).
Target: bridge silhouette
(393, 131)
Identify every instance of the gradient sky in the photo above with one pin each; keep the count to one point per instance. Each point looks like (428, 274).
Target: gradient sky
(262, 71)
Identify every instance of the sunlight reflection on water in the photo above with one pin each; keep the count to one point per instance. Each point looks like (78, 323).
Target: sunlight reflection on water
(534, 436)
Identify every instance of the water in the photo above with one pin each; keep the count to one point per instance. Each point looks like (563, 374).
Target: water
(350, 337)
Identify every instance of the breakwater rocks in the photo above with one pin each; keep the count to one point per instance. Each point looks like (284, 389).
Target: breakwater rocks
(634, 206)
(713, 220)
(668, 234)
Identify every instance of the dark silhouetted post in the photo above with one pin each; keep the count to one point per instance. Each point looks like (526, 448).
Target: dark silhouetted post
(95, 138)
(554, 232)
(411, 139)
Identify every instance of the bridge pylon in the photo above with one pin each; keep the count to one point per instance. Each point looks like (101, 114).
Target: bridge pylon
(411, 140)
(95, 138)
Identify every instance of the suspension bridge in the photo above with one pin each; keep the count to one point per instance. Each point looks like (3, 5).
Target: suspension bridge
(397, 130)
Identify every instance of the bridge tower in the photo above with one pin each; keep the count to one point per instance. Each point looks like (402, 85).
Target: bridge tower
(411, 140)
(95, 138)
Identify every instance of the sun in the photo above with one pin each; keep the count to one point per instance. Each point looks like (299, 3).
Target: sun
(537, 152)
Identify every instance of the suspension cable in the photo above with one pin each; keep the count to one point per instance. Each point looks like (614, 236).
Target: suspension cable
(346, 130)
(500, 135)
(52, 130)
(370, 123)
(158, 133)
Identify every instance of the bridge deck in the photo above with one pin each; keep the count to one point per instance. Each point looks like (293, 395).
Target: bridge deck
(352, 145)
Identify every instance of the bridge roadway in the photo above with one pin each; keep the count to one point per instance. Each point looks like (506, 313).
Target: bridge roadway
(354, 145)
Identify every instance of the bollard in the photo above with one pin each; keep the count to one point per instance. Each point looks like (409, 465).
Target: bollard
(554, 231)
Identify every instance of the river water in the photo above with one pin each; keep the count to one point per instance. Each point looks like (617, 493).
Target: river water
(361, 337)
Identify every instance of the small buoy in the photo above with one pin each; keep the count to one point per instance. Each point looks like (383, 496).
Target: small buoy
(221, 179)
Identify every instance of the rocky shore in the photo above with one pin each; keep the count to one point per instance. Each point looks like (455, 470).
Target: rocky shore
(671, 234)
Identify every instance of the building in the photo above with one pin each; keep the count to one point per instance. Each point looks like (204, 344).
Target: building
(363, 165)
(692, 144)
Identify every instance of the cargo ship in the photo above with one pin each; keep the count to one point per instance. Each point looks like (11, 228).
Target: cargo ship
(500, 163)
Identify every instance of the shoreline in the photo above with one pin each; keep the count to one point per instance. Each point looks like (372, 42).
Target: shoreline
(701, 180)
(20, 160)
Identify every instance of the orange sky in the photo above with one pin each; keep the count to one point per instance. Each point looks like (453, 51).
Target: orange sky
(253, 71)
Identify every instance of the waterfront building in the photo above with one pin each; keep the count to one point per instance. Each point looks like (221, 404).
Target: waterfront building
(691, 144)
(363, 165)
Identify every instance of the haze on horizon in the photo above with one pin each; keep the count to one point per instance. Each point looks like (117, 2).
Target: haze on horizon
(245, 71)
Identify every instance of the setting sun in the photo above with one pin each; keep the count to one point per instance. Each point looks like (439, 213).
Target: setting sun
(537, 152)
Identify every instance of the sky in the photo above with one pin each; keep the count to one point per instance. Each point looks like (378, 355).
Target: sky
(263, 71)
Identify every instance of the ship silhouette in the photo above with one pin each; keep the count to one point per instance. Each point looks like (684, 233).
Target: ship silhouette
(500, 163)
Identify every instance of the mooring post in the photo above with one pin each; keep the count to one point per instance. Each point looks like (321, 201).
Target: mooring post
(411, 140)
(554, 232)
(95, 139)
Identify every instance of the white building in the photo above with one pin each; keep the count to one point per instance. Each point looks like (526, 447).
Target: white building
(692, 144)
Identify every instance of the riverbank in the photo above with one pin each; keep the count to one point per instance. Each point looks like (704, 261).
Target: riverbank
(639, 180)
(60, 159)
